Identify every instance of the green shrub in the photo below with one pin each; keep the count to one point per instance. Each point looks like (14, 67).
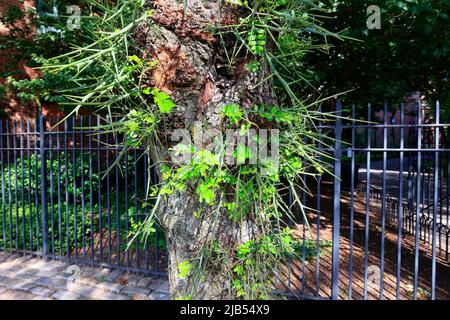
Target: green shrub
(310, 250)
(21, 183)
(23, 227)
(25, 175)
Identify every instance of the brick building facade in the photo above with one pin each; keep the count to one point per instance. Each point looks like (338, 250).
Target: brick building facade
(11, 106)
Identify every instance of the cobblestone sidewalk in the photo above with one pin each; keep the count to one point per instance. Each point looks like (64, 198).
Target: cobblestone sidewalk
(28, 278)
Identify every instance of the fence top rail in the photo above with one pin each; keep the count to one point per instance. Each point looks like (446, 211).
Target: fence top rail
(60, 132)
(376, 126)
(401, 150)
(94, 131)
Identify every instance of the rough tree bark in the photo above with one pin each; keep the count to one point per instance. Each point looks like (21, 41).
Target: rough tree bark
(193, 69)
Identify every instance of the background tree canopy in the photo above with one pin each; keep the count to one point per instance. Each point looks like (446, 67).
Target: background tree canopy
(411, 52)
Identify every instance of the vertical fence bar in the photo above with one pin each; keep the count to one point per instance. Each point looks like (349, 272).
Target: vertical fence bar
(91, 191)
(30, 206)
(146, 190)
(58, 176)
(424, 181)
(116, 153)
(44, 206)
(99, 181)
(108, 191)
(52, 188)
(319, 182)
(16, 200)
(441, 189)
(8, 165)
(36, 182)
(436, 175)
(136, 207)
(448, 192)
(415, 176)
(83, 202)
(304, 217)
(383, 201)
(3, 187)
(66, 165)
(352, 209)
(418, 200)
(400, 202)
(336, 202)
(74, 172)
(430, 170)
(22, 186)
(290, 225)
(366, 235)
(127, 253)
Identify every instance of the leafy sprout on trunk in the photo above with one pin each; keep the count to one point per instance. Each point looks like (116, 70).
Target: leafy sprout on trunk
(110, 74)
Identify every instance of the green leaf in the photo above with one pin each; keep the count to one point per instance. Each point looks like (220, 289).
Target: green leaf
(183, 269)
(232, 112)
(244, 249)
(253, 66)
(187, 297)
(147, 91)
(205, 193)
(163, 101)
(136, 59)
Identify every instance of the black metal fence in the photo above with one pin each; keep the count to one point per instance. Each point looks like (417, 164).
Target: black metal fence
(60, 200)
(376, 229)
(379, 225)
(428, 183)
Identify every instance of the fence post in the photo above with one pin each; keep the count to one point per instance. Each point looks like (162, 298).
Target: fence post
(336, 202)
(43, 188)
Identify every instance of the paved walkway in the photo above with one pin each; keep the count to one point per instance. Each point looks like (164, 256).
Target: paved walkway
(28, 278)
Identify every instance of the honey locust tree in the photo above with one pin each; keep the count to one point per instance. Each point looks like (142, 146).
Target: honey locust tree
(207, 65)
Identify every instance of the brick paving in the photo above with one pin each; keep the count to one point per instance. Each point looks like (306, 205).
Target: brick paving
(30, 278)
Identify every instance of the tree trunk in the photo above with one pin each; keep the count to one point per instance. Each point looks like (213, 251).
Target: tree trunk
(192, 69)
(187, 236)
